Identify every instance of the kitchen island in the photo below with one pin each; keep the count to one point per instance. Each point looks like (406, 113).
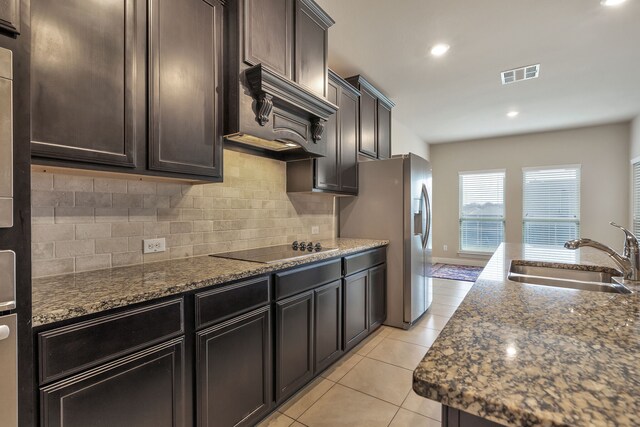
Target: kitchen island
(528, 355)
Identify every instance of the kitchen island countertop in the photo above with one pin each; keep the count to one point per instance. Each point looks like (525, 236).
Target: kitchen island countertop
(64, 297)
(528, 355)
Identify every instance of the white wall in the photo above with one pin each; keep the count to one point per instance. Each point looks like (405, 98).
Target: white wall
(603, 152)
(404, 140)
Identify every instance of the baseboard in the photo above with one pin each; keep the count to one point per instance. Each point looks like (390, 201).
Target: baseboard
(462, 261)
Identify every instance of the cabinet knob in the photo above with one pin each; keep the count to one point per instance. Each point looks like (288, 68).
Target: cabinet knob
(4, 332)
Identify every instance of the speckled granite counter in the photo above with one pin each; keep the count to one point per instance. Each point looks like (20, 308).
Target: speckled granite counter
(523, 355)
(72, 295)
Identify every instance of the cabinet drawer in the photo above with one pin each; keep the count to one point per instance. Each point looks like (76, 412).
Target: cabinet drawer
(223, 303)
(302, 279)
(73, 348)
(364, 260)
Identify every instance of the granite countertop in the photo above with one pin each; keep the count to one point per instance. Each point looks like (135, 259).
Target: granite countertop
(524, 355)
(72, 295)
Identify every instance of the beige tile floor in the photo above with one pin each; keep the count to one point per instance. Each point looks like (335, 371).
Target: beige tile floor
(371, 385)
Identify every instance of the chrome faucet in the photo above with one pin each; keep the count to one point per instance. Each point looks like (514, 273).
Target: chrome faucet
(629, 261)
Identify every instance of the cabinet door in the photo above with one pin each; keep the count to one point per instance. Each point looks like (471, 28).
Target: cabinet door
(356, 326)
(185, 87)
(268, 34)
(349, 122)
(233, 371)
(368, 124)
(144, 389)
(294, 344)
(328, 324)
(377, 296)
(311, 47)
(10, 15)
(327, 168)
(384, 131)
(87, 81)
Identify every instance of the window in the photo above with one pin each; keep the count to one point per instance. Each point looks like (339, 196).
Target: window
(551, 205)
(481, 211)
(636, 197)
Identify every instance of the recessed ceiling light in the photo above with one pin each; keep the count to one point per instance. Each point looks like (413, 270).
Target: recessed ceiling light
(512, 114)
(440, 49)
(611, 2)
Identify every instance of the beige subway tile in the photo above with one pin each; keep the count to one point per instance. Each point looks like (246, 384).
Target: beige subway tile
(192, 214)
(42, 268)
(93, 262)
(112, 215)
(174, 240)
(155, 201)
(141, 187)
(192, 238)
(94, 200)
(93, 231)
(168, 214)
(73, 215)
(212, 190)
(135, 243)
(203, 202)
(51, 198)
(212, 214)
(156, 228)
(181, 227)
(41, 181)
(41, 251)
(126, 258)
(181, 252)
(112, 245)
(126, 229)
(42, 216)
(181, 201)
(143, 215)
(106, 185)
(154, 257)
(52, 233)
(192, 190)
(72, 183)
(74, 248)
(128, 200)
(202, 225)
(169, 189)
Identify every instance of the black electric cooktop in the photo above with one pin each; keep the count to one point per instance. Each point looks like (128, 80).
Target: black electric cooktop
(273, 254)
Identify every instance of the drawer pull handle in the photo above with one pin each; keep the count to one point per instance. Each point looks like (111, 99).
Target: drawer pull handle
(4, 332)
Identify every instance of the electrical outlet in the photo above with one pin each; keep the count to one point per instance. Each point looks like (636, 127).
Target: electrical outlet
(315, 229)
(150, 246)
(445, 248)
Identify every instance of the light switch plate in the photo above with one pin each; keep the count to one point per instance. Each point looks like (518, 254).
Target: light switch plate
(315, 229)
(154, 245)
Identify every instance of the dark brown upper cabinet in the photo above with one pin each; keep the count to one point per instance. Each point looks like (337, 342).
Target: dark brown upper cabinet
(185, 85)
(337, 172)
(10, 16)
(375, 120)
(130, 86)
(87, 82)
(276, 75)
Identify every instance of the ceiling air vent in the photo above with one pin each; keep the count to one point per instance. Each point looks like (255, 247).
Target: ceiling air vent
(519, 74)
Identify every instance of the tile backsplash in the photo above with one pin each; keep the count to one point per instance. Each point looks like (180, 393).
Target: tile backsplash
(83, 223)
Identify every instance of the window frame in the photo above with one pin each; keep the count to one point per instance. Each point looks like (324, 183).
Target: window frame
(577, 221)
(475, 253)
(635, 196)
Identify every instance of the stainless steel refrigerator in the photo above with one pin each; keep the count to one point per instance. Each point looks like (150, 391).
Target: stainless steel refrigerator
(394, 203)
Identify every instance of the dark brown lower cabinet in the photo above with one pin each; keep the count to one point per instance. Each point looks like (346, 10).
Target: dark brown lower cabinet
(294, 344)
(455, 418)
(234, 371)
(145, 389)
(328, 325)
(356, 326)
(377, 296)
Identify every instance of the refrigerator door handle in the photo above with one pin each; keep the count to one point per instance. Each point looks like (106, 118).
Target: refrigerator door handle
(425, 206)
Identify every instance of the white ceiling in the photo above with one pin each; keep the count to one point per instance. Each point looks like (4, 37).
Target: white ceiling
(589, 55)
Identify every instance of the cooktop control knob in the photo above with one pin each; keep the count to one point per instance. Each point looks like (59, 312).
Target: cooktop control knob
(318, 247)
(302, 246)
(294, 245)
(310, 247)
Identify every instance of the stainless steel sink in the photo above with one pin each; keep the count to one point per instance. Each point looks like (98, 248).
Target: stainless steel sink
(565, 277)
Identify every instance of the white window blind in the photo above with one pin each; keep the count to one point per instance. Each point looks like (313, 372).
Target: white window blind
(636, 198)
(481, 211)
(551, 205)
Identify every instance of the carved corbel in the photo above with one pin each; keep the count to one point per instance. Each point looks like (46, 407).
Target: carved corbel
(264, 105)
(317, 129)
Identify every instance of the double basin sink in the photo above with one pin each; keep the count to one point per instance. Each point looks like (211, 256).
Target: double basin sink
(566, 276)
